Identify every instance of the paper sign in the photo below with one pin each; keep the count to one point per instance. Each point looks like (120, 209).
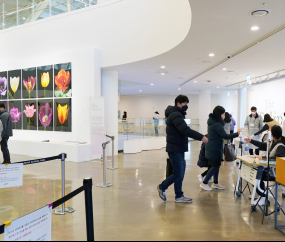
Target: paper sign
(11, 175)
(35, 226)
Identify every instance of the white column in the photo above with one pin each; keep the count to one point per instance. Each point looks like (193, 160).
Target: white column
(242, 107)
(204, 110)
(110, 93)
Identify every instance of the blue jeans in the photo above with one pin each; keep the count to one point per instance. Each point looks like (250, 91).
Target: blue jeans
(177, 160)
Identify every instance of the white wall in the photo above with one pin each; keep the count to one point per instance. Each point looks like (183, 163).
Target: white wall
(123, 30)
(268, 98)
(86, 82)
(145, 106)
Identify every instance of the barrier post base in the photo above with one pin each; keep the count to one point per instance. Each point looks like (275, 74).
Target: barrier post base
(102, 185)
(113, 168)
(58, 211)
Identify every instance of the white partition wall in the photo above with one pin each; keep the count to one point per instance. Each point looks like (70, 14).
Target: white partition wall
(204, 110)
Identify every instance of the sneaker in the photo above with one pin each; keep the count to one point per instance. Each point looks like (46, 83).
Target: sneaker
(206, 187)
(161, 194)
(260, 202)
(217, 186)
(183, 200)
(200, 178)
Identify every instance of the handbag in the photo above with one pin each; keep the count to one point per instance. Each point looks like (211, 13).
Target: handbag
(202, 163)
(230, 154)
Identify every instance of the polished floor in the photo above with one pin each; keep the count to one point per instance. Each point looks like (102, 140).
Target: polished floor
(132, 210)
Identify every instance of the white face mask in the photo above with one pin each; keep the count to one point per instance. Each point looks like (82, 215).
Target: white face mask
(253, 113)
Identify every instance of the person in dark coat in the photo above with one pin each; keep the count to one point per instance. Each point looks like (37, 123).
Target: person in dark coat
(177, 143)
(214, 148)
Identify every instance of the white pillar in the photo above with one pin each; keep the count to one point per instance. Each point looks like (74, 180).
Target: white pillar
(204, 110)
(242, 107)
(110, 93)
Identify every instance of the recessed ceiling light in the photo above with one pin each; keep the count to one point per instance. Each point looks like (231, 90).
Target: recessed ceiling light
(211, 54)
(24, 18)
(179, 89)
(255, 28)
(151, 84)
(140, 90)
(162, 67)
(260, 12)
(195, 81)
(162, 74)
(218, 87)
(235, 91)
(224, 69)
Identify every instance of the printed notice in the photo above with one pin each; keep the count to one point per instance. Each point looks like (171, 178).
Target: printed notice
(11, 175)
(35, 226)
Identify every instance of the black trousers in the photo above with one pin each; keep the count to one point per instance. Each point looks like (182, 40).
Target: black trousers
(5, 150)
(256, 151)
(232, 139)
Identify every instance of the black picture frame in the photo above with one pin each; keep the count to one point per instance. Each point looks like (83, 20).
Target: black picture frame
(15, 84)
(44, 84)
(45, 121)
(3, 85)
(16, 112)
(65, 104)
(30, 123)
(63, 80)
(29, 76)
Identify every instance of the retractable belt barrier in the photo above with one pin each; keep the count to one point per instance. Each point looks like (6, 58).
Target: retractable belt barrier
(62, 157)
(87, 187)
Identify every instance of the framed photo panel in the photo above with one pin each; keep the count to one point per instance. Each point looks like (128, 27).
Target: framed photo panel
(29, 83)
(62, 80)
(62, 117)
(4, 85)
(30, 114)
(15, 110)
(14, 84)
(45, 83)
(46, 113)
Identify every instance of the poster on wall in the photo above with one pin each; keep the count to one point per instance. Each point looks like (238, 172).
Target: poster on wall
(62, 114)
(62, 80)
(30, 114)
(14, 84)
(45, 83)
(45, 107)
(29, 78)
(3, 85)
(15, 110)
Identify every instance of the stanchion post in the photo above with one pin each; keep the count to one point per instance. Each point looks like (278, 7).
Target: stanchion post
(89, 209)
(61, 211)
(104, 184)
(113, 154)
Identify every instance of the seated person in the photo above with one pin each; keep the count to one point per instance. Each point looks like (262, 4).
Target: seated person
(277, 149)
(269, 123)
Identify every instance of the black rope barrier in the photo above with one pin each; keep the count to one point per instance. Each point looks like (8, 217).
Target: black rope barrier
(87, 187)
(30, 162)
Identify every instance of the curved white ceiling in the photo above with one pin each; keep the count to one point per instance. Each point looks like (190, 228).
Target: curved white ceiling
(222, 27)
(124, 31)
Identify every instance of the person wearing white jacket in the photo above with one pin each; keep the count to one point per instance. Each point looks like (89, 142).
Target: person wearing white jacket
(156, 122)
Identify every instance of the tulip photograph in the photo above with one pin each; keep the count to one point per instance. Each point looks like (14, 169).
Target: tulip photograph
(62, 80)
(30, 114)
(45, 117)
(14, 84)
(15, 110)
(3, 85)
(45, 81)
(62, 118)
(29, 80)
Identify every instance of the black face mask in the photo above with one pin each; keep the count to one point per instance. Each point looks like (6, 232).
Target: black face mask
(184, 108)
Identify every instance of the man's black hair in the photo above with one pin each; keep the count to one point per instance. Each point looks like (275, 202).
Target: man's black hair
(181, 99)
(276, 131)
(2, 105)
(253, 108)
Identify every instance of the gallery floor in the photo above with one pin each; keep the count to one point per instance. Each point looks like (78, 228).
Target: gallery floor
(132, 210)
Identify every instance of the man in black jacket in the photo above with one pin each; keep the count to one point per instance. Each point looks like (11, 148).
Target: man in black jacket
(177, 144)
(6, 133)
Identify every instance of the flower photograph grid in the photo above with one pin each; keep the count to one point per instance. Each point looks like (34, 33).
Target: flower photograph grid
(38, 98)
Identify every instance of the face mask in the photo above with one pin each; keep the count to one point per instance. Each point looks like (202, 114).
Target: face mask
(253, 113)
(184, 108)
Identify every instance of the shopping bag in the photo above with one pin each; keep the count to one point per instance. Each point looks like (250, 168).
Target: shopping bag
(230, 154)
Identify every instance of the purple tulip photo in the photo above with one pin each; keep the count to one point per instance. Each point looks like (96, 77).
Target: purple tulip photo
(15, 115)
(45, 115)
(3, 86)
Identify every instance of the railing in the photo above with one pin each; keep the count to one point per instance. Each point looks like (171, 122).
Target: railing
(145, 128)
(18, 12)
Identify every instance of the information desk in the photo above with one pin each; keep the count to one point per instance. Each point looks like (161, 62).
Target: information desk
(248, 171)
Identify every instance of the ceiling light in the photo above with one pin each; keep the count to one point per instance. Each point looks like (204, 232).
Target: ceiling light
(277, 75)
(162, 67)
(151, 84)
(235, 91)
(162, 74)
(195, 81)
(24, 18)
(179, 89)
(260, 12)
(218, 87)
(255, 28)
(211, 55)
(224, 69)
(140, 90)
(267, 78)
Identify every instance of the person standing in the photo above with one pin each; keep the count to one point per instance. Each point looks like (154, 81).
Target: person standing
(124, 116)
(232, 126)
(6, 133)
(156, 122)
(253, 123)
(177, 144)
(283, 132)
(227, 127)
(214, 148)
